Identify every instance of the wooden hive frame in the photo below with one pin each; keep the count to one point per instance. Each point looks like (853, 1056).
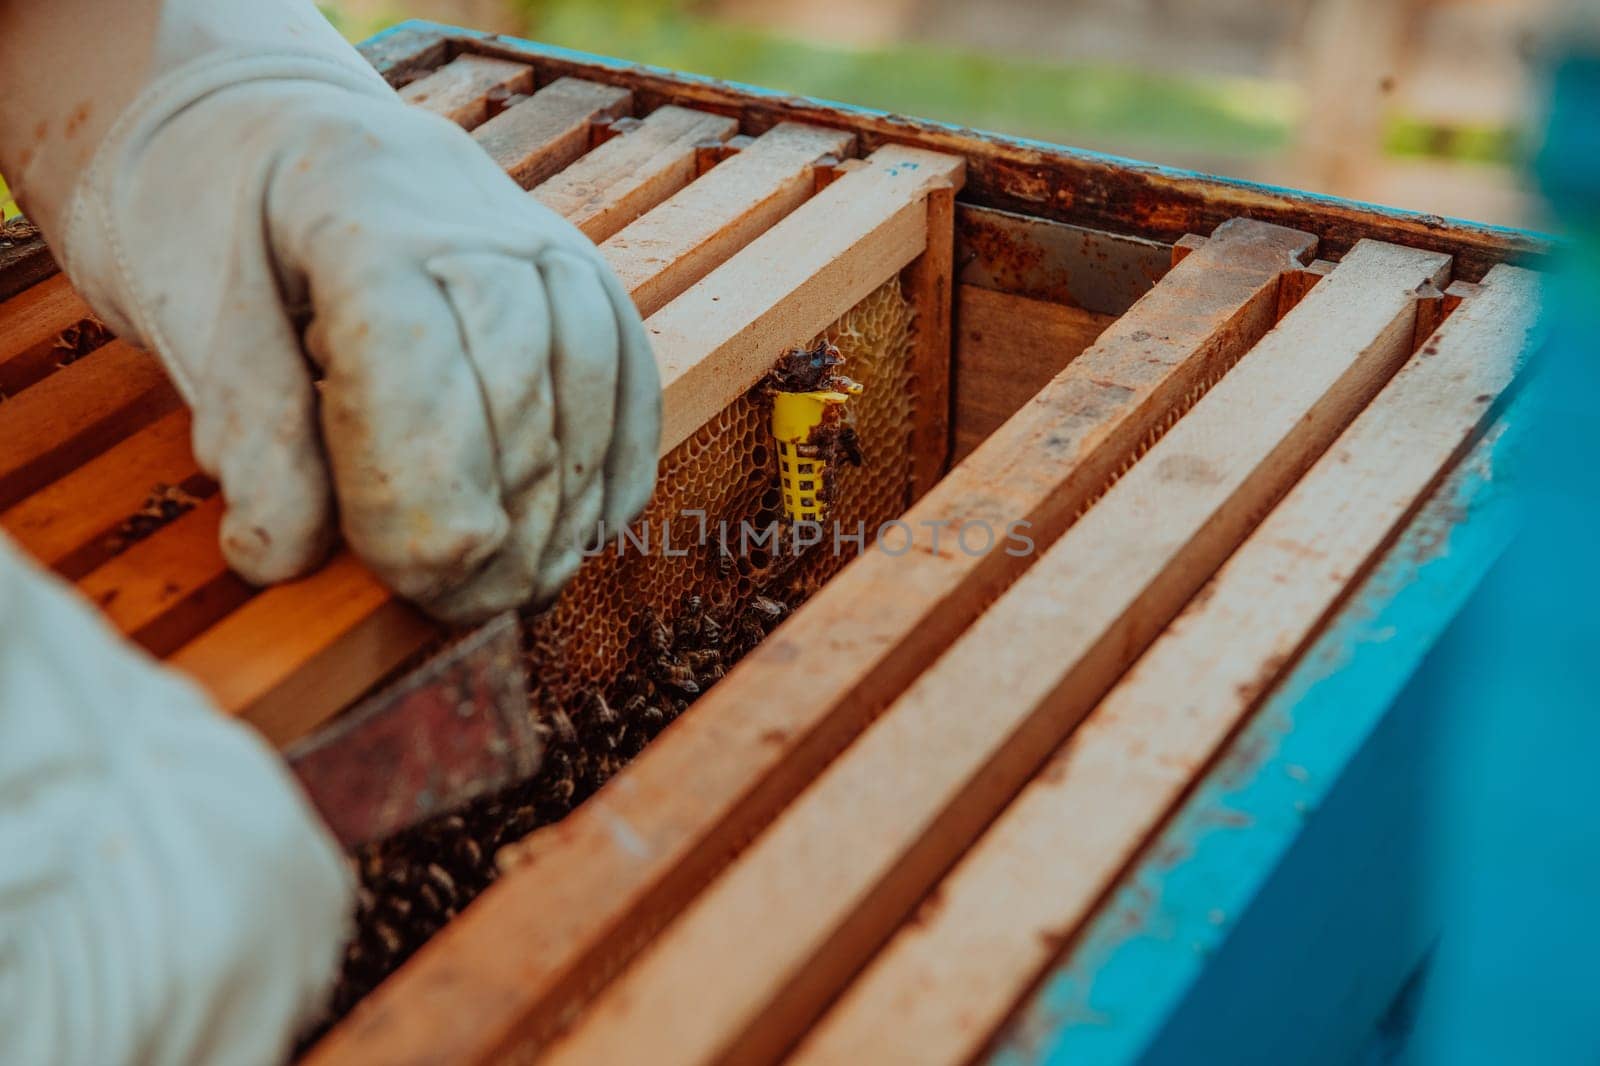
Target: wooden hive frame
(1212, 451)
(732, 253)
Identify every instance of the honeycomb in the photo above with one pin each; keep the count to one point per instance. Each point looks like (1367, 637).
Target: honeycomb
(638, 635)
(728, 469)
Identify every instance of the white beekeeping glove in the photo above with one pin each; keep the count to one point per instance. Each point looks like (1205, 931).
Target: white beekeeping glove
(166, 896)
(228, 183)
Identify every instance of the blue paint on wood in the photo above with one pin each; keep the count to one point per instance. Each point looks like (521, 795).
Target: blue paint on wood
(1514, 782)
(1204, 952)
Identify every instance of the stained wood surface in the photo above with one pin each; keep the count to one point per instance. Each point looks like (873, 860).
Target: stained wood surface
(536, 137)
(317, 643)
(1007, 349)
(503, 977)
(24, 259)
(1295, 285)
(718, 338)
(195, 588)
(34, 319)
(633, 172)
(77, 412)
(929, 282)
(460, 89)
(1028, 177)
(1012, 177)
(1457, 292)
(1057, 849)
(675, 245)
(759, 953)
(165, 589)
(65, 524)
(296, 653)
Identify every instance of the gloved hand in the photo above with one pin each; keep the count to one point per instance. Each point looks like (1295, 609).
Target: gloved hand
(487, 393)
(166, 896)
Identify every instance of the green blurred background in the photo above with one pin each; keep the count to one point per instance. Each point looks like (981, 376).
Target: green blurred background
(1416, 103)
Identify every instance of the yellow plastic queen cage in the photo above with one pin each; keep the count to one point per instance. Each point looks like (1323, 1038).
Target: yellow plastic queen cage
(795, 418)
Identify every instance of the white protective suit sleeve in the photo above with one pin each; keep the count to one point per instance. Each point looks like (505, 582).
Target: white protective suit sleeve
(166, 896)
(374, 326)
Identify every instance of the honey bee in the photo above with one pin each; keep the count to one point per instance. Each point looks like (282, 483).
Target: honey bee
(657, 632)
(441, 879)
(676, 673)
(806, 369)
(562, 725)
(601, 710)
(629, 684)
(748, 631)
(706, 663)
(468, 852)
(769, 609)
(163, 505)
(388, 938)
(431, 899)
(557, 763)
(78, 340)
(523, 821)
(691, 619)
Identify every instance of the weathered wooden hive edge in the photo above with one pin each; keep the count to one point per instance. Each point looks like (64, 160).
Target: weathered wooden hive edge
(1037, 1026)
(1050, 181)
(1011, 173)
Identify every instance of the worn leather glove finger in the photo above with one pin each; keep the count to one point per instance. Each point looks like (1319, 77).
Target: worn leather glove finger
(502, 310)
(635, 440)
(486, 390)
(585, 352)
(606, 477)
(556, 512)
(258, 434)
(406, 428)
(542, 326)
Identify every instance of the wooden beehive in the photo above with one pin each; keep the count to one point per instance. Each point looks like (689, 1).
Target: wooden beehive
(913, 798)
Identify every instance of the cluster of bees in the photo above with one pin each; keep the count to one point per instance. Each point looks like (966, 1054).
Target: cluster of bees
(164, 505)
(78, 340)
(415, 882)
(637, 637)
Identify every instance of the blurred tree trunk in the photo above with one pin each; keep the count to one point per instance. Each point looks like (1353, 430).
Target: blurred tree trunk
(493, 16)
(1352, 57)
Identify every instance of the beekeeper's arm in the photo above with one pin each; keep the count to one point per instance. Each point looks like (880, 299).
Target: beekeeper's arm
(228, 183)
(376, 331)
(166, 896)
